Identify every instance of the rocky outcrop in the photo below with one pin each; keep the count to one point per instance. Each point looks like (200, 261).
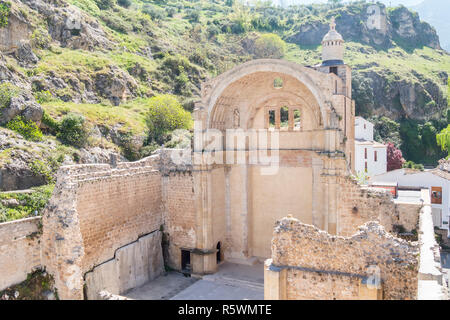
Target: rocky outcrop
(360, 23)
(71, 27)
(115, 85)
(22, 105)
(384, 93)
(17, 30)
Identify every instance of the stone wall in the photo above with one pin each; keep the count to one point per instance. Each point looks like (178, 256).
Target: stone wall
(408, 215)
(20, 251)
(95, 210)
(358, 205)
(322, 266)
(180, 218)
(132, 266)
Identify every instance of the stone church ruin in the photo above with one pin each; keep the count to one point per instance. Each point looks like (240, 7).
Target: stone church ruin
(115, 227)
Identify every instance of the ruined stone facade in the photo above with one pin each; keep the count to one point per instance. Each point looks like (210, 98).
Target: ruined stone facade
(111, 227)
(322, 266)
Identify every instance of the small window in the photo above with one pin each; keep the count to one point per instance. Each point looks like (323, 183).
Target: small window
(375, 156)
(334, 70)
(271, 119)
(365, 153)
(297, 119)
(436, 195)
(284, 118)
(365, 167)
(364, 126)
(278, 83)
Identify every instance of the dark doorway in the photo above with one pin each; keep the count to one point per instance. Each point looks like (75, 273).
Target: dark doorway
(185, 260)
(219, 258)
(334, 70)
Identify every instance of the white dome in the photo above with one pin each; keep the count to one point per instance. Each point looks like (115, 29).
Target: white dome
(332, 46)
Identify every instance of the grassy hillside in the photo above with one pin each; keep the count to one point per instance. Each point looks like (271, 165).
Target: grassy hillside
(157, 47)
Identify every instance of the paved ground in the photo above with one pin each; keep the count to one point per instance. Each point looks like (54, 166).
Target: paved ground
(162, 288)
(231, 282)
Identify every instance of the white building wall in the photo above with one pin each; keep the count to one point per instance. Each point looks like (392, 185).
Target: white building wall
(363, 129)
(373, 167)
(423, 179)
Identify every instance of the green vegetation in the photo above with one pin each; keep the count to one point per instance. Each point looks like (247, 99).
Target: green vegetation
(412, 165)
(270, 46)
(27, 128)
(5, 9)
(443, 139)
(37, 286)
(165, 115)
(7, 91)
(29, 204)
(73, 130)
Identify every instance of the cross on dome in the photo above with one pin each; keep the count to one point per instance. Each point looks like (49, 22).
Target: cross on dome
(333, 24)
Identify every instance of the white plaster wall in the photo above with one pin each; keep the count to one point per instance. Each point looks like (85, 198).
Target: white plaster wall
(373, 167)
(424, 180)
(361, 133)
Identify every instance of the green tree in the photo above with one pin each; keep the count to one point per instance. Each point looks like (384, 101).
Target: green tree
(443, 139)
(165, 114)
(269, 45)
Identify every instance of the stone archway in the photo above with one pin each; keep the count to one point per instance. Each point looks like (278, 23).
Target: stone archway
(237, 204)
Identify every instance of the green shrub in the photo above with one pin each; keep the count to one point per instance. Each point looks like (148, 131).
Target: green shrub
(124, 3)
(412, 165)
(73, 130)
(154, 12)
(27, 128)
(5, 9)
(269, 46)
(52, 124)
(105, 4)
(41, 168)
(165, 115)
(7, 91)
(43, 96)
(40, 38)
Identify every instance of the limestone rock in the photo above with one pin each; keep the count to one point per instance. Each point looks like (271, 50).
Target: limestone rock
(24, 106)
(25, 55)
(10, 203)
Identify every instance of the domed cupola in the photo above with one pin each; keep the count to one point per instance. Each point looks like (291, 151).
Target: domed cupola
(332, 47)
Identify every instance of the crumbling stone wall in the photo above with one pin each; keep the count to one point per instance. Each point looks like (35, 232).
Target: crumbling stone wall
(94, 210)
(20, 250)
(322, 266)
(358, 205)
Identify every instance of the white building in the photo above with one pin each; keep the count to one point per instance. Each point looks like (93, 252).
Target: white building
(370, 156)
(436, 180)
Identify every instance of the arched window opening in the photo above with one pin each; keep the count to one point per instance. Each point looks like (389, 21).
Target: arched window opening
(297, 118)
(284, 118)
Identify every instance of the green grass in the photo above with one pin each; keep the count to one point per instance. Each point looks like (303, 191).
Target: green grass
(130, 115)
(31, 204)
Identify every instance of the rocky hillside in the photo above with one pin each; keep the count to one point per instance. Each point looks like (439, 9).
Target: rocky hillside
(105, 60)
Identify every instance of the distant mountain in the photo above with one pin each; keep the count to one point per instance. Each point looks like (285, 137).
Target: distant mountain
(437, 13)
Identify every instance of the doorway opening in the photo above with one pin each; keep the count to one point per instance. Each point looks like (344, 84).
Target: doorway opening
(186, 261)
(218, 257)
